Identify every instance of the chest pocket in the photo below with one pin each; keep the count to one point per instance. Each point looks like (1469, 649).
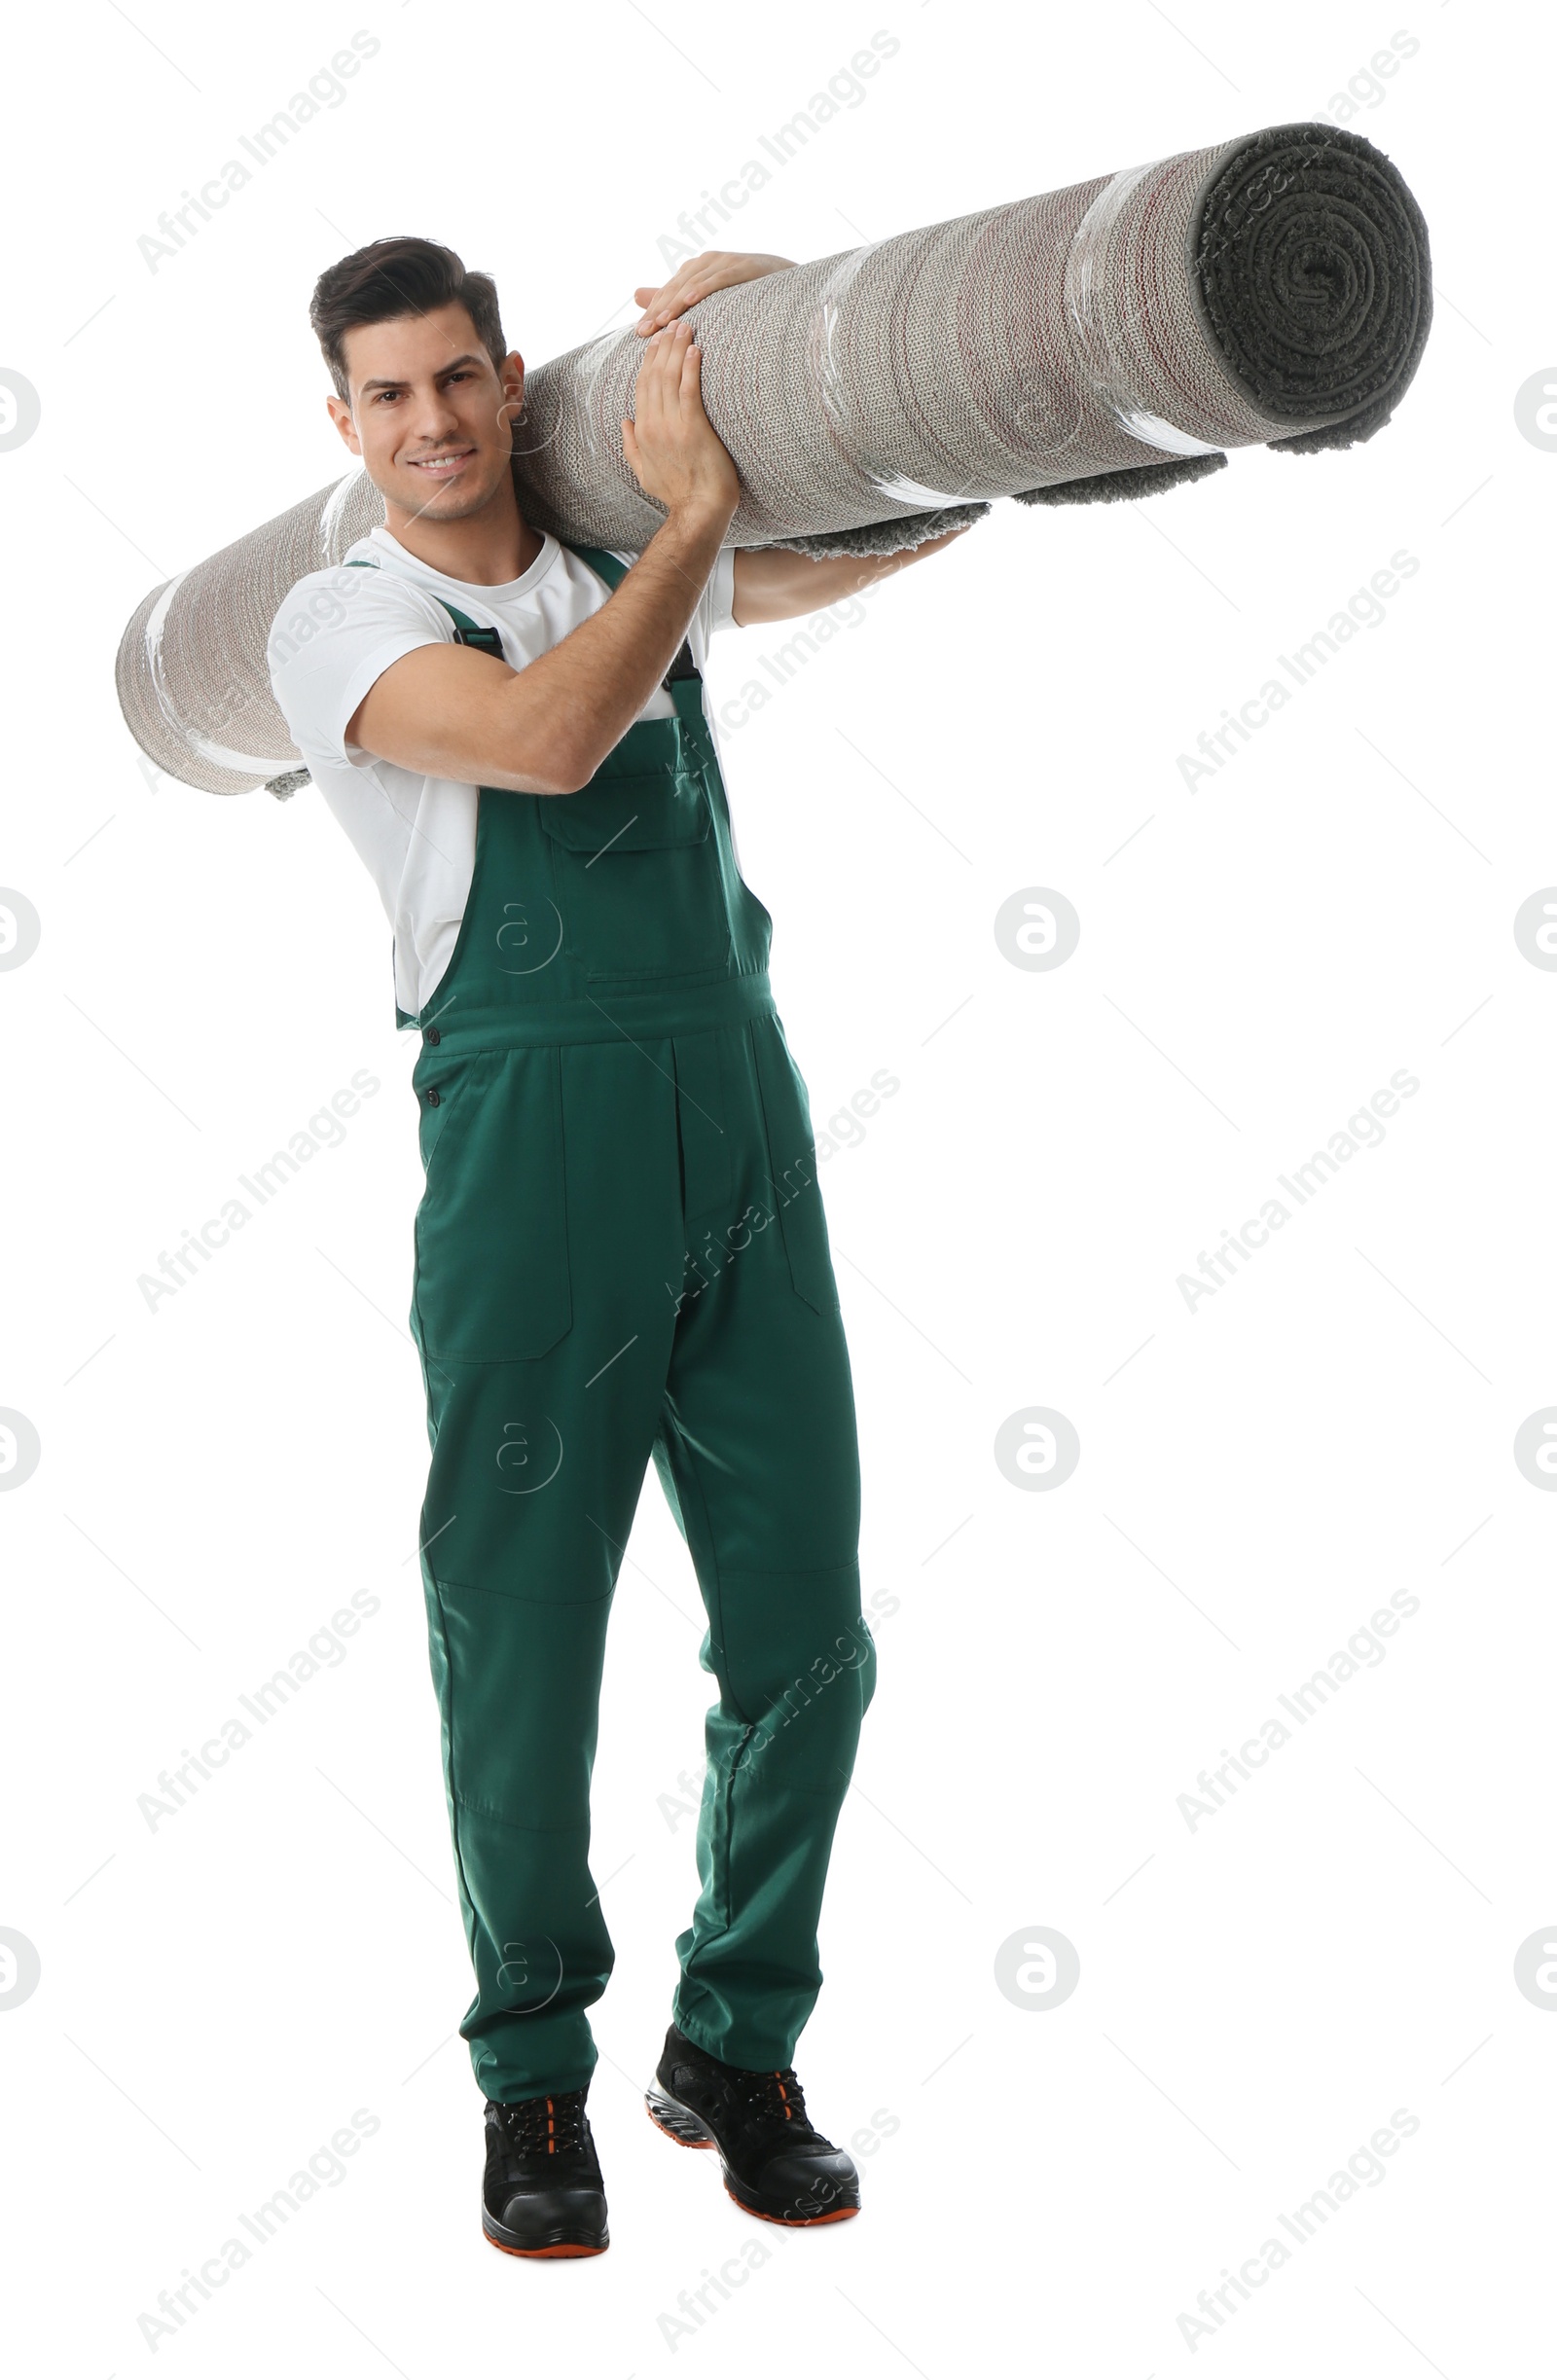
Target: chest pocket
(644, 812)
(636, 863)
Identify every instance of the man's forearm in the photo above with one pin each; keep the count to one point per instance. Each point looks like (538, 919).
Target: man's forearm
(776, 584)
(443, 711)
(594, 683)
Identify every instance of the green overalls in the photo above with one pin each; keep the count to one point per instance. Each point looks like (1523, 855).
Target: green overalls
(620, 1253)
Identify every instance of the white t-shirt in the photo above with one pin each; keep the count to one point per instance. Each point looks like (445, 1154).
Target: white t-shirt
(339, 629)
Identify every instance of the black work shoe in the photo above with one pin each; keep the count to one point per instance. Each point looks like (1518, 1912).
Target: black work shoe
(776, 2163)
(542, 2194)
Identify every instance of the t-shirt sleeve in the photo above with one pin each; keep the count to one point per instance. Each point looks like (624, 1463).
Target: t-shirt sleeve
(719, 594)
(334, 636)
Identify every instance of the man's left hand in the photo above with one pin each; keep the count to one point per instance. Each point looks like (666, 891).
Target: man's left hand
(716, 269)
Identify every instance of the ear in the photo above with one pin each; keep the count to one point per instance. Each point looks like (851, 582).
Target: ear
(512, 376)
(341, 416)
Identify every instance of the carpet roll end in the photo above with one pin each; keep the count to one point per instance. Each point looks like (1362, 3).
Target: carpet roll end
(1314, 282)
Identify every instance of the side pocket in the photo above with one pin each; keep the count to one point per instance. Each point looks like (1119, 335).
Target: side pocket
(792, 1164)
(436, 1109)
(492, 1271)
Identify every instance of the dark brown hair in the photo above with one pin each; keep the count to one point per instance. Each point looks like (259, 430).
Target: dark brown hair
(393, 277)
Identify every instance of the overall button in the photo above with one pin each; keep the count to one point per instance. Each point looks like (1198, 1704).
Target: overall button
(432, 1035)
(432, 1099)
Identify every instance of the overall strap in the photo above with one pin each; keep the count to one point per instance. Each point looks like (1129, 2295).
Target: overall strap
(606, 566)
(483, 640)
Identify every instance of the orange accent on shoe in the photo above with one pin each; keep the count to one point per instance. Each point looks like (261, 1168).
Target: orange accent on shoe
(789, 2113)
(568, 2248)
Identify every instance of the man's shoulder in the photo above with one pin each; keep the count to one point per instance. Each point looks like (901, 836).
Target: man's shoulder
(357, 589)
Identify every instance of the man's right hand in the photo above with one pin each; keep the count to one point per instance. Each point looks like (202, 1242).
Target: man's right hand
(670, 446)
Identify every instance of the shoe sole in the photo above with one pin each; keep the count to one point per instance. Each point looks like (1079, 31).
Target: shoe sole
(554, 2248)
(688, 2131)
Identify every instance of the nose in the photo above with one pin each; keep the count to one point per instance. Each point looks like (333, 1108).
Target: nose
(434, 420)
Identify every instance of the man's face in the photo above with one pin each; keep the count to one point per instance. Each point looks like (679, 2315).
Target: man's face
(428, 413)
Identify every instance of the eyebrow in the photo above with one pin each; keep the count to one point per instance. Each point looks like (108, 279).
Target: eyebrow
(369, 385)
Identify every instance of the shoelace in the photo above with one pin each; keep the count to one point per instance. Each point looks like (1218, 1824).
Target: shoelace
(549, 2124)
(773, 2093)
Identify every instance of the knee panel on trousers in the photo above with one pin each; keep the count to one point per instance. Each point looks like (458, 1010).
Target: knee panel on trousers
(520, 1691)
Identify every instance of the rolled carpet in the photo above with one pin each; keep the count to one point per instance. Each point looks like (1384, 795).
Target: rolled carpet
(1109, 340)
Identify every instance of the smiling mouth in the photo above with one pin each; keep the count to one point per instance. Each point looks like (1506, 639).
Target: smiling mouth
(442, 466)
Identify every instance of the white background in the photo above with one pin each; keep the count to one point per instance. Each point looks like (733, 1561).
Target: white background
(1259, 1995)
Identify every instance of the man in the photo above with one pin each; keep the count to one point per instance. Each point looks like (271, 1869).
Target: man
(620, 1252)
